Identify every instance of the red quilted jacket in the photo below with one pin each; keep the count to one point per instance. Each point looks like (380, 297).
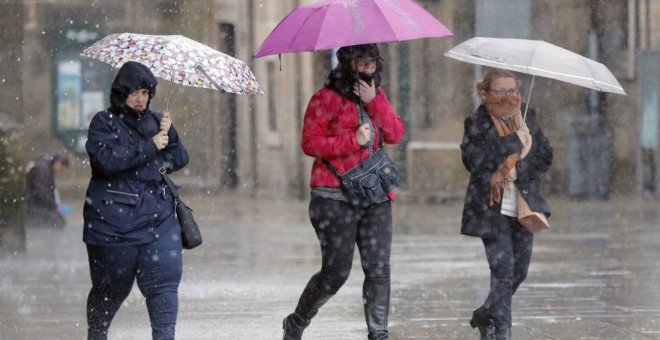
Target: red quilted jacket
(329, 132)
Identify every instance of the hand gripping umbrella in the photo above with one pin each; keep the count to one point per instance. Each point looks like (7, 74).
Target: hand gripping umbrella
(537, 58)
(178, 59)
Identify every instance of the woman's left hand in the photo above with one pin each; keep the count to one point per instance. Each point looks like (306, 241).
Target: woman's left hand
(166, 122)
(364, 90)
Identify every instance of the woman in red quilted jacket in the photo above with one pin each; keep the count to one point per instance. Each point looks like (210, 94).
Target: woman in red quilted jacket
(345, 122)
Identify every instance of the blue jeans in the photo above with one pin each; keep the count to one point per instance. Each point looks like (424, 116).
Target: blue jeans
(509, 253)
(157, 266)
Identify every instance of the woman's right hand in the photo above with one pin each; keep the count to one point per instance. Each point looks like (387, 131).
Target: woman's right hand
(161, 140)
(166, 121)
(363, 134)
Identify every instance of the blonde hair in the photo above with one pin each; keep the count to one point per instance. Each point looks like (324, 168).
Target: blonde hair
(483, 84)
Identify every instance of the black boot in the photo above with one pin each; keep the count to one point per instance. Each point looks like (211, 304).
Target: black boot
(483, 323)
(376, 299)
(310, 301)
(502, 333)
(487, 333)
(294, 326)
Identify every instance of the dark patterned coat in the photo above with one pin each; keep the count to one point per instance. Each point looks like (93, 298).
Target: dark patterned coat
(483, 150)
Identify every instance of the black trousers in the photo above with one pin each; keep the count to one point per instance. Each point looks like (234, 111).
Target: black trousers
(339, 227)
(509, 253)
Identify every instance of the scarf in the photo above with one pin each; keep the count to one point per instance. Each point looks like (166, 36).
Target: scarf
(506, 172)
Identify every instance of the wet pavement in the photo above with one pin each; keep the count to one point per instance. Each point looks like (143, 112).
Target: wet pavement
(594, 275)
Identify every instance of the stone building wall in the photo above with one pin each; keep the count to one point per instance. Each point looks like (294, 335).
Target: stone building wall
(255, 148)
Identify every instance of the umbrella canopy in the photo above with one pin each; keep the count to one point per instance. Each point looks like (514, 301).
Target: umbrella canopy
(336, 23)
(537, 58)
(178, 59)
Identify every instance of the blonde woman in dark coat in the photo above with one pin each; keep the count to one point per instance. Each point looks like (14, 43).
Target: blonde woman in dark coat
(506, 157)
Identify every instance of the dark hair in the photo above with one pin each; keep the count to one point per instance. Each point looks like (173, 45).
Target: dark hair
(348, 54)
(63, 159)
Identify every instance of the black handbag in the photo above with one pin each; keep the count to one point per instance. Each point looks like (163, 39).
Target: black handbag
(370, 181)
(190, 234)
(373, 179)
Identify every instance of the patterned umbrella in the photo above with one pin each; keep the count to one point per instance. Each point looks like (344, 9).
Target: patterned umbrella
(178, 59)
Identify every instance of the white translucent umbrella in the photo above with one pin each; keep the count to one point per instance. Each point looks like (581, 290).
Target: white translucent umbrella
(537, 58)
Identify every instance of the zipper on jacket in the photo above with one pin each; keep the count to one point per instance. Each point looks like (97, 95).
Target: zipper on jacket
(122, 193)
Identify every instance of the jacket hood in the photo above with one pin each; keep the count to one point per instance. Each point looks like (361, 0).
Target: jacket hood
(347, 54)
(131, 76)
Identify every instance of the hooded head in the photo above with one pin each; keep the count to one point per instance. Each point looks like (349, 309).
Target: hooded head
(342, 78)
(131, 76)
(347, 54)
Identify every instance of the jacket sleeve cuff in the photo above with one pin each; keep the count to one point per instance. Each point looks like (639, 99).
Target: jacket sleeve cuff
(147, 149)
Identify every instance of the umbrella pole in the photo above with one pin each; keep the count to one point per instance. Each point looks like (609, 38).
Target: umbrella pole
(529, 95)
(169, 94)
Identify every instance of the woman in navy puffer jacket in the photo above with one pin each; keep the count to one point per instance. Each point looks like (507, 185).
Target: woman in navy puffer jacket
(130, 228)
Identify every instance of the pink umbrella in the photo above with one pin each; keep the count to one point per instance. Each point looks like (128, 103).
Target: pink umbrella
(336, 23)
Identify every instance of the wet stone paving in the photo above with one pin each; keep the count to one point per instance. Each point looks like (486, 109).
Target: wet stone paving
(594, 275)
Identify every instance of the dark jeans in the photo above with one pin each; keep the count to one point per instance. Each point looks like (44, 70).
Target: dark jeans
(339, 226)
(157, 266)
(508, 253)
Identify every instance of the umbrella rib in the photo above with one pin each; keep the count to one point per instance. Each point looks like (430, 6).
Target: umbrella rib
(383, 15)
(303, 25)
(316, 47)
(532, 68)
(531, 58)
(593, 79)
(203, 72)
(576, 77)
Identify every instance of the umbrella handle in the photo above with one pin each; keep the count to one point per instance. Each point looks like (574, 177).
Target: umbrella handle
(169, 93)
(529, 95)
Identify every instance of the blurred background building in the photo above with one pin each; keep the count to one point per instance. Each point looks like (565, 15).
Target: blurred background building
(604, 144)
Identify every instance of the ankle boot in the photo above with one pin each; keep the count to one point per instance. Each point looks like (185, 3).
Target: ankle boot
(502, 333)
(487, 332)
(484, 324)
(376, 299)
(310, 301)
(294, 326)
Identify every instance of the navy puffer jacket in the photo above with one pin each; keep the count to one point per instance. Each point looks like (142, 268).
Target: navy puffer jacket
(127, 202)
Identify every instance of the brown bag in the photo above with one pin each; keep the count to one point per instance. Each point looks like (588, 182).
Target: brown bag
(531, 220)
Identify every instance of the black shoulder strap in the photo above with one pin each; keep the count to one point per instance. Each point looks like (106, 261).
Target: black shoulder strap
(170, 184)
(331, 167)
